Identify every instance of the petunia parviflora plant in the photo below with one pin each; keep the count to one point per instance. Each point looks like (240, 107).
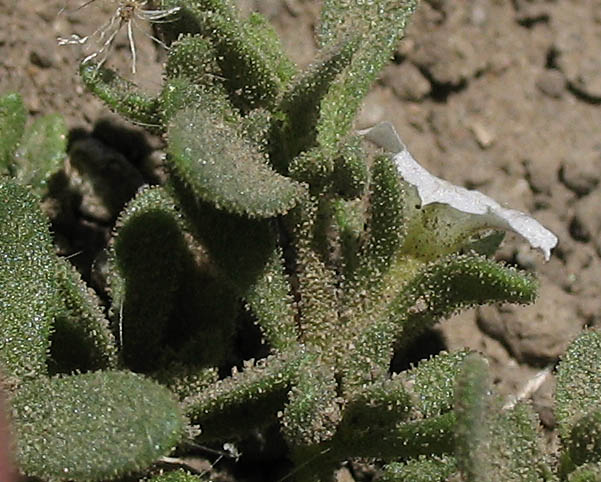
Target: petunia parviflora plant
(274, 215)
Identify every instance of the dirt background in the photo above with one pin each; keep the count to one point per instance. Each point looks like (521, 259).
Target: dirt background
(503, 96)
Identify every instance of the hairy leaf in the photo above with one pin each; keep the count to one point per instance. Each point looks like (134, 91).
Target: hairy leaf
(584, 443)
(248, 64)
(28, 275)
(82, 339)
(42, 151)
(224, 168)
(245, 400)
(177, 476)
(93, 426)
(433, 382)
(430, 436)
(422, 469)
(472, 402)
(455, 282)
(12, 126)
(299, 106)
(121, 95)
(380, 25)
(146, 260)
(270, 299)
(578, 381)
(312, 412)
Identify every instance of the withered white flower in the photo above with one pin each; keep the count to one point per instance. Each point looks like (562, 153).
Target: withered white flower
(466, 209)
(125, 15)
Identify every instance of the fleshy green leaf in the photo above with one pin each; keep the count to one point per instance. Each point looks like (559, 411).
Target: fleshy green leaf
(433, 382)
(455, 282)
(82, 339)
(247, 68)
(380, 404)
(350, 169)
(516, 446)
(177, 476)
(266, 41)
(299, 107)
(93, 426)
(29, 297)
(586, 473)
(12, 125)
(224, 168)
(472, 402)
(494, 444)
(192, 57)
(422, 469)
(430, 436)
(42, 151)
(578, 381)
(222, 410)
(584, 443)
(380, 25)
(270, 299)
(146, 260)
(312, 413)
(386, 222)
(121, 95)
(227, 238)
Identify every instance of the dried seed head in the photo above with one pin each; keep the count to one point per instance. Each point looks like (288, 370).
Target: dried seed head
(124, 16)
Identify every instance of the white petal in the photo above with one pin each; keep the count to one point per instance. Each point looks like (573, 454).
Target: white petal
(432, 189)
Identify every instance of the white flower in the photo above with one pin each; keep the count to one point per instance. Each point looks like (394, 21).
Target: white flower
(468, 210)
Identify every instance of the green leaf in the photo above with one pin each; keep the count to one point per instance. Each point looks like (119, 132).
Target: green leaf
(299, 108)
(586, 473)
(430, 436)
(455, 282)
(12, 125)
(146, 260)
(312, 413)
(380, 404)
(194, 58)
(472, 402)
(316, 280)
(246, 64)
(516, 449)
(93, 426)
(227, 238)
(265, 40)
(422, 469)
(584, 443)
(177, 476)
(380, 25)
(493, 443)
(246, 400)
(350, 169)
(225, 169)
(29, 296)
(121, 95)
(270, 299)
(386, 217)
(578, 381)
(82, 339)
(42, 152)
(433, 381)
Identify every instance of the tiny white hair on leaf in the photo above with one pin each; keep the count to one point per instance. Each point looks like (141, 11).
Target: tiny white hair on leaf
(432, 189)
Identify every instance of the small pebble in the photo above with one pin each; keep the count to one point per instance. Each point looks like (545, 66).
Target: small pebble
(484, 137)
(552, 83)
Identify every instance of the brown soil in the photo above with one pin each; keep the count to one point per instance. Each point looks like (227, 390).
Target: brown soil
(502, 96)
